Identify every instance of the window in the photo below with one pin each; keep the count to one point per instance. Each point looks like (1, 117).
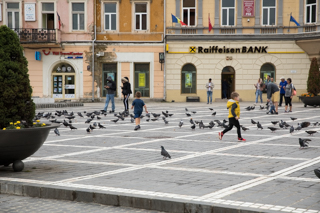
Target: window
(109, 69)
(110, 16)
(141, 16)
(77, 16)
(13, 15)
(188, 79)
(269, 12)
(189, 12)
(142, 79)
(63, 84)
(228, 12)
(265, 70)
(48, 16)
(311, 8)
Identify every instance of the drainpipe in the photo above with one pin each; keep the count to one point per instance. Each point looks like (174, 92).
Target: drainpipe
(94, 31)
(164, 48)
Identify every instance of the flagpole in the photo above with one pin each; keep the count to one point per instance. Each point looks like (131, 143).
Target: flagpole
(289, 22)
(209, 22)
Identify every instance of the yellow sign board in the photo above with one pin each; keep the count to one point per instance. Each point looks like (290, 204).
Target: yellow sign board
(192, 49)
(142, 80)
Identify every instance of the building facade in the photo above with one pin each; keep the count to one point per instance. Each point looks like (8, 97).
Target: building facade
(249, 39)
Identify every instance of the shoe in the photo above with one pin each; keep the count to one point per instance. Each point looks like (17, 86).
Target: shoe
(111, 111)
(137, 127)
(317, 172)
(220, 135)
(290, 111)
(207, 103)
(285, 111)
(242, 139)
(267, 113)
(276, 113)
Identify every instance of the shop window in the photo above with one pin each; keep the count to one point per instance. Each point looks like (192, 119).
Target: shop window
(189, 12)
(142, 79)
(141, 16)
(269, 12)
(63, 82)
(78, 16)
(109, 69)
(265, 70)
(110, 16)
(311, 11)
(189, 79)
(13, 15)
(48, 16)
(228, 12)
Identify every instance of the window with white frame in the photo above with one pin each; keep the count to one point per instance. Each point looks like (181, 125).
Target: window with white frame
(269, 12)
(110, 16)
(228, 12)
(48, 15)
(13, 15)
(77, 16)
(189, 12)
(311, 11)
(141, 16)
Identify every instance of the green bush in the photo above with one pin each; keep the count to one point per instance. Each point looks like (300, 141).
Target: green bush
(313, 83)
(15, 89)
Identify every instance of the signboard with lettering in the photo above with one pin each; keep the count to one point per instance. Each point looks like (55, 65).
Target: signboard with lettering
(30, 11)
(248, 8)
(224, 49)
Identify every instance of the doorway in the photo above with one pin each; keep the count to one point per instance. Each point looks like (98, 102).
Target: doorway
(227, 82)
(109, 69)
(63, 82)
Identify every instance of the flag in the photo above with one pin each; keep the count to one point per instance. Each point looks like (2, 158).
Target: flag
(210, 25)
(293, 20)
(59, 21)
(177, 20)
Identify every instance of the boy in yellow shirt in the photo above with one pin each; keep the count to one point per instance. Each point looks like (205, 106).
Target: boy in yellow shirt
(234, 116)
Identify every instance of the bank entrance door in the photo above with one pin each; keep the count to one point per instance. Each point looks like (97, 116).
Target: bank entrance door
(63, 82)
(227, 82)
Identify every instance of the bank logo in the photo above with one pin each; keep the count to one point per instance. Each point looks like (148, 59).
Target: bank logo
(192, 49)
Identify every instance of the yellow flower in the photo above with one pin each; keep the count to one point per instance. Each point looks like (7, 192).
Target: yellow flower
(15, 124)
(43, 124)
(18, 122)
(34, 123)
(17, 127)
(4, 128)
(11, 123)
(38, 121)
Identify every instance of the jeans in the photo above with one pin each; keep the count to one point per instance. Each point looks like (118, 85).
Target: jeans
(281, 99)
(258, 93)
(209, 95)
(109, 97)
(224, 93)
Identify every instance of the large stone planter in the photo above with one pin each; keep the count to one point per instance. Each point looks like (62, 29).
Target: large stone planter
(18, 144)
(310, 101)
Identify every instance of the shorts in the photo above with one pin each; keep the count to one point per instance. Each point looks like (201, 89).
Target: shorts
(137, 114)
(275, 97)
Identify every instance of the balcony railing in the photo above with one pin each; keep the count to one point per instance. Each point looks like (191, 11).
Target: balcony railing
(227, 31)
(310, 28)
(189, 31)
(268, 30)
(34, 35)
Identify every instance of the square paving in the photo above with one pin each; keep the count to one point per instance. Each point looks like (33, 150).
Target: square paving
(267, 173)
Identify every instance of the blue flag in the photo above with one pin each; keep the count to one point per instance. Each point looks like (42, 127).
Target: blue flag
(174, 19)
(293, 20)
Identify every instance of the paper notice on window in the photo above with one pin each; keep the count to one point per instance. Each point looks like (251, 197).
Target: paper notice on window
(142, 80)
(188, 80)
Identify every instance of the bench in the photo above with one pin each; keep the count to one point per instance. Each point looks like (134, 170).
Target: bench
(193, 99)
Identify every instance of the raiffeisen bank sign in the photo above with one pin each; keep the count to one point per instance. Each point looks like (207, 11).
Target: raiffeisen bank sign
(224, 49)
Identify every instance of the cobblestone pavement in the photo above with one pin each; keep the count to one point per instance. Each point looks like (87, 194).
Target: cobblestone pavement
(268, 172)
(18, 204)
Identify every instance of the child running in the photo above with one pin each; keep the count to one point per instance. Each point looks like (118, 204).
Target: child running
(138, 105)
(234, 115)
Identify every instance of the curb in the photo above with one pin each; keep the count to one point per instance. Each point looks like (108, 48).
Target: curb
(124, 200)
(58, 105)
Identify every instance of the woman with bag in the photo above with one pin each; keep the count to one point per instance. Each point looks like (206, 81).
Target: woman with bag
(126, 91)
(289, 94)
(259, 88)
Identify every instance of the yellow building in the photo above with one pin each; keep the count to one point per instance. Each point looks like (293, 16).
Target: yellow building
(249, 39)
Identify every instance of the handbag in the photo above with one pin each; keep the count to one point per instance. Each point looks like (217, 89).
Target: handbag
(294, 90)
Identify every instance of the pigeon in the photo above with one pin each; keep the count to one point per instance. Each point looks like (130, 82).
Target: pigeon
(194, 112)
(65, 123)
(88, 121)
(281, 126)
(311, 132)
(100, 126)
(211, 109)
(166, 122)
(186, 109)
(193, 126)
(218, 122)
(272, 129)
(170, 115)
(154, 119)
(91, 127)
(211, 124)
(305, 124)
(248, 108)
(261, 107)
(146, 120)
(115, 121)
(303, 143)
(244, 128)
(274, 122)
(56, 131)
(225, 121)
(88, 130)
(165, 114)
(286, 125)
(163, 118)
(180, 124)
(148, 115)
(317, 172)
(95, 124)
(291, 129)
(92, 116)
(253, 122)
(188, 114)
(259, 126)
(72, 127)
(298, 128)
(70, 117)
(315, 124)
(164, 153)
(293, 118)
(70, 121)
(79, 113)
(224, 125)
(98, 118)
(214, 113)
(191, 121)
(201, 125)
(132, 120)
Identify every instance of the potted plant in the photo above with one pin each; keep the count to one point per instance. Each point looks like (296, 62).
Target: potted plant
(19, 136)
(313, 86)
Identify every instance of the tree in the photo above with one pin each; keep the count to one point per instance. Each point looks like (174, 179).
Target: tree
(313, 83)
(15, 90)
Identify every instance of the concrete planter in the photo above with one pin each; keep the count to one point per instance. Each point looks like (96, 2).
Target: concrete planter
(18, 144)
(310, 101)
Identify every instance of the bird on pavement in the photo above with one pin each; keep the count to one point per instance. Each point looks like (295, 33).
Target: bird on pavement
(286, 125)
(253, 122)
(166, 122)
(95, 124)
(305, 124)
(293, 118)
(211, 109)
(115, 121)
(100, 126)
(274, 122)
(146, 119)
(164, 153)
(193, 126)
(303, 143)
(225, 126)
(165, 114)
(299, 127)
(65, 123)
(211, 124)
(91, 127)
(281, 126)
(311, 132)
(244, 128)
(79, 113)
(194, 112)
(191, 121)
(180, 124)
(72, 127)
(214, 113)
(188, 114)
(261, 107)
(315, 124)
(291, 129)
(317, 172)
(98, 118)
(259, 125)
(186, 109)
(147, 114)
(154, 119)
(248, 108)
(273, 129)
(57, 132)
(88, 121)
(88, 130)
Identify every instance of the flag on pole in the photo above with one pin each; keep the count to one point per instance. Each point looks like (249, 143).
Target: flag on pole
(210, 25)
(177, 20)
(293, 20)
(59, 21)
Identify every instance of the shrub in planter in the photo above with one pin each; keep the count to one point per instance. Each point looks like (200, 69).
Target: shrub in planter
(313, 83)
(15, 90)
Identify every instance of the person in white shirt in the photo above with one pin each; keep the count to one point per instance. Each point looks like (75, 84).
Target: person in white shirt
(209, 87)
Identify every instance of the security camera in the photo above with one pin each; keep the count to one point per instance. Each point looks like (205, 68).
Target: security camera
(248, 20)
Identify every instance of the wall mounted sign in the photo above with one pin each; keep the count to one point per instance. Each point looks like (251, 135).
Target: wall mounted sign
(224, 49)
(248, 8)
(30, 11)
(61, 53)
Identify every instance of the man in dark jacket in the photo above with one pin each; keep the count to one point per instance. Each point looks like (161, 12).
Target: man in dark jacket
(273, 94)
(126, 91)
(111, 88)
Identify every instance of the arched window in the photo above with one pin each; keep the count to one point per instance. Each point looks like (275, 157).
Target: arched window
(189, 79)
(267, 69)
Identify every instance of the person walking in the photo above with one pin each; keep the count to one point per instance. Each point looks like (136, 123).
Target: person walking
(111, 88)
(259, 87)
(209, 87)
(126, 91)
(282, 86)
(288, 95)
(225, 87)
(273, 94)
(138, 105)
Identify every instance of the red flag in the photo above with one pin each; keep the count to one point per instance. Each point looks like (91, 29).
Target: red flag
(59, 21)
(210, 25)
